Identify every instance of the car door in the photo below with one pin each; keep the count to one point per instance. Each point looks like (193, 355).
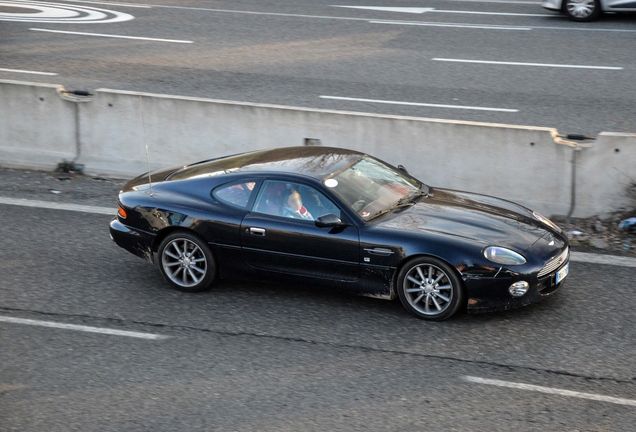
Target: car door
(276, 238)
(221, 227)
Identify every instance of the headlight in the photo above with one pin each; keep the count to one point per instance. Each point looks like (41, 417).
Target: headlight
(505, 256)
(547, 221)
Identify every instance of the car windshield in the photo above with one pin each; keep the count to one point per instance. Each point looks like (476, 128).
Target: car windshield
(372, 188)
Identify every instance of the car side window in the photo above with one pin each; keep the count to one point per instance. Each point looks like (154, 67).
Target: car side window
(235, 194)
(293, 200)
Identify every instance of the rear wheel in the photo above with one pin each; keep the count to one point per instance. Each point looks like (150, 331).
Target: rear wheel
(430, 289)
(582, 10)
(186, 262)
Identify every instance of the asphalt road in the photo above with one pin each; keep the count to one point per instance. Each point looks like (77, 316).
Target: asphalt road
(270, 357)
(295, 52)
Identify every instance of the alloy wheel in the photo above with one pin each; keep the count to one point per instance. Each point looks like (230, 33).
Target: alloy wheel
(581, 9)
(184, 262)
(428, 289)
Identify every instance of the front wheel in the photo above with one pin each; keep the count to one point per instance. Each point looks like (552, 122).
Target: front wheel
(186, 262)
(582, 10)
(430, 289)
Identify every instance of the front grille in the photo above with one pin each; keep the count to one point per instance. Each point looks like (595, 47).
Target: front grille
(555, 263)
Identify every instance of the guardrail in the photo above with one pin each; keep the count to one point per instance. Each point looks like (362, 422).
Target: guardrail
(42, 124)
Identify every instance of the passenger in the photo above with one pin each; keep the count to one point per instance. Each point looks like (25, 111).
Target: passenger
(293, 206)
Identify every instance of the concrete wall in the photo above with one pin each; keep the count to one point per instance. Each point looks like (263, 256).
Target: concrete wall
(606, 174)
(523, 164)
(37, 128)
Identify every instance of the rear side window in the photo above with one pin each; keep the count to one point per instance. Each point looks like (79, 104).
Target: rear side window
(235, 194)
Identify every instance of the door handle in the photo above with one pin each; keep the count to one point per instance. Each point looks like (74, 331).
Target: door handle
(379, 251)
(257, 231)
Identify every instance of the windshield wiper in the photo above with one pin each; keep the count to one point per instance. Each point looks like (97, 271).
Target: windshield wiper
(405, 201)
(380, 213)
(398, 205)
(408, 199)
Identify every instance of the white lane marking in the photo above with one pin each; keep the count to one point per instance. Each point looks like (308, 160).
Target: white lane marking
(453, 25)
(510, 2)
(26, 71)
(89, 329)
(414, 10)
(111, 36)
(551, 390)
(497, 27)
(527, 64)
(423, 10)
(419, 104)
(498, 1)
(602, 259)
(61, 13)
(129, 4)
(278, 14)
(591, 29)
(511, 14)
(58, 206)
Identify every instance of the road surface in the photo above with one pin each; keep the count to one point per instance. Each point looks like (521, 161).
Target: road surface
(501, 61)
(94, 340)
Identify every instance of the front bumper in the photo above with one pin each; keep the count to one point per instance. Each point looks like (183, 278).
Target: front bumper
(489, 294)
(553, 5)
(135, 241)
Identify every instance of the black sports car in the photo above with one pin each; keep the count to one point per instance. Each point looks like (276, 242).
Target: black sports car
(329, 216)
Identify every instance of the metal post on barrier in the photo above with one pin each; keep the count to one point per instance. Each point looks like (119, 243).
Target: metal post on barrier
(77, 97)
(576, 149)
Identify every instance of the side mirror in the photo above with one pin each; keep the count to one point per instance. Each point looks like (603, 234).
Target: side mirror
(329, 220)
(401, 168)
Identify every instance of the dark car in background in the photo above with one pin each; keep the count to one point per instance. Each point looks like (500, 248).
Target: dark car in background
(334, 217)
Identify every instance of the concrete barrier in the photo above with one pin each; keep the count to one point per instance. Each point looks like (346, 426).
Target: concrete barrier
(37, 128)
(530, 165)
(606, 174)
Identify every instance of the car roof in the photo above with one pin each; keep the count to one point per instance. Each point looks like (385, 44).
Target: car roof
(313, 161)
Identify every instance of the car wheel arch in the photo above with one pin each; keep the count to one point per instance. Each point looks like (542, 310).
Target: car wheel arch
(410, 258)
(165, 232)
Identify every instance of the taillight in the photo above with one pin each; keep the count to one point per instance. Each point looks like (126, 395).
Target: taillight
(121, 212)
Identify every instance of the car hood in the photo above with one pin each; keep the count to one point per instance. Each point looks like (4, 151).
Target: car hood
(480, 218)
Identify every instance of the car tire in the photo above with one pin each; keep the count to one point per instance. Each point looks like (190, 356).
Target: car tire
(582, 10)
(186, 262)
(430, 289)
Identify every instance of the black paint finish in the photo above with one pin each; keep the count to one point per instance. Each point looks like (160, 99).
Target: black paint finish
(361, 256)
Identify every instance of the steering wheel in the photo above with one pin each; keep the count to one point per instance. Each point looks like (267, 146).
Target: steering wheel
(360, 204)
(364, 191)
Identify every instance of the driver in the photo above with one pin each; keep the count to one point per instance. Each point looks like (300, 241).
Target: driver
(293, 206)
